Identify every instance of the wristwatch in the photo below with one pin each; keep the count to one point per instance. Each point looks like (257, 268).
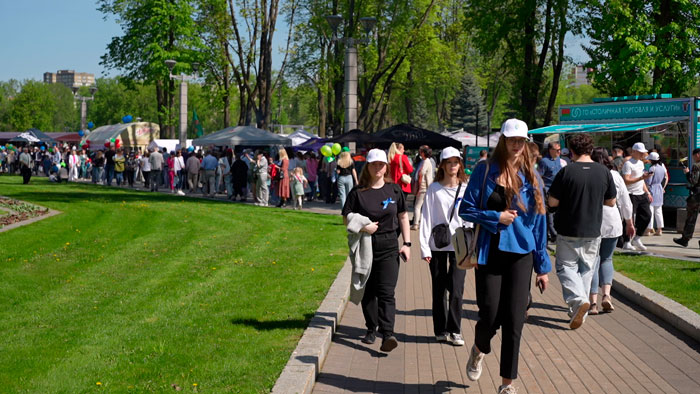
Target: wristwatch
(407, 244)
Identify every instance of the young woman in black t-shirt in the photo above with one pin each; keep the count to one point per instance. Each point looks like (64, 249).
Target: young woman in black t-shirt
(383, 203)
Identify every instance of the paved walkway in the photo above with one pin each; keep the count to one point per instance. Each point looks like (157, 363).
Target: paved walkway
(626, 351)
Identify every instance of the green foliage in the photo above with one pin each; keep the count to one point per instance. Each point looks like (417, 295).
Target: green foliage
(140, 291)
(468, 110)
(45, 107)
(644, 46)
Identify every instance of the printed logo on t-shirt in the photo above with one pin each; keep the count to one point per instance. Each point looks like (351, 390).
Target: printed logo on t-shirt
(387, 202)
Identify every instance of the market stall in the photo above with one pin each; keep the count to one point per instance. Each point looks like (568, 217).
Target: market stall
(130, 135)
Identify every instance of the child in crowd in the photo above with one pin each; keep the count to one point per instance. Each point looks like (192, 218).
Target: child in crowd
(299, 182)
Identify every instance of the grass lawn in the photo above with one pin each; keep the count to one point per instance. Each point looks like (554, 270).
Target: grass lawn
(131, 291)
(676, 279)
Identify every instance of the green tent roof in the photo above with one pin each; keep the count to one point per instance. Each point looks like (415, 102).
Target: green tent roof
(596, 127)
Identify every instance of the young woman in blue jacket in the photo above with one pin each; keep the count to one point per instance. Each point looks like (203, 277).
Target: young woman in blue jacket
(512, 240)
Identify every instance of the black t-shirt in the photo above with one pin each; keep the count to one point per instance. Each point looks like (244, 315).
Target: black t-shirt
(581, 189)
(379, 205)
(109, 156)
(345, 171)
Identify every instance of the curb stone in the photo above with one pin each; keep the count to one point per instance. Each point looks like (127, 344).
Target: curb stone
(660, 306)
(304, 365)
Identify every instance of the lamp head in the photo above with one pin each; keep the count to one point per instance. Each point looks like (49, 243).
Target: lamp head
(93, 89)
(368, 23)
(74, 89)
(195, 67)
(334, 21)
(170, 63)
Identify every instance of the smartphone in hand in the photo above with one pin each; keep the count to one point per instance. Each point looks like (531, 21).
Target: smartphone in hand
(540, 286)
(403, 257)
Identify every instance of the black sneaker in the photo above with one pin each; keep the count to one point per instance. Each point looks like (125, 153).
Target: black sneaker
(389, 343)
(369, 338)
(680, 241)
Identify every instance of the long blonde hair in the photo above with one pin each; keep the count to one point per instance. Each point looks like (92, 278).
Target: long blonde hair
(283, 154)
(345, 160)
(511, 180)
(393, 150)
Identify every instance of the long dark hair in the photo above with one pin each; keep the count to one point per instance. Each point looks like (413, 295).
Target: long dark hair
(600, 155)
(525, 165)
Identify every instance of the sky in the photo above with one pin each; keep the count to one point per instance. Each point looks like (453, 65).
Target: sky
(48, 35)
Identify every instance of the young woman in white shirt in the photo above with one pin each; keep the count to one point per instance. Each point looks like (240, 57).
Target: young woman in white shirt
(442, 199)
(610, 231)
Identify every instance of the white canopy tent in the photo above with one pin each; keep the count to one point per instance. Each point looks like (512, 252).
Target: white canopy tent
(300, 136)
(242, 135)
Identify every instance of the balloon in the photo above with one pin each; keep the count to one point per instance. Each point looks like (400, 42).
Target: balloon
(81, 133)
(107, 144)
(50, 150)
(90, 125)
(112, 140)
(345, 149)
(468, 171)
(127, 119)
(326, 150)
(336, 148)
(329, 159)
(43, 148)
(63, 164)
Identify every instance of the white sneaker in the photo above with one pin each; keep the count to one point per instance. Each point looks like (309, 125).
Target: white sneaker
(474, 364)
(455, 339)
(637, 243)
(628, 246)
(507, 389)
(578, 316)
(180, 193)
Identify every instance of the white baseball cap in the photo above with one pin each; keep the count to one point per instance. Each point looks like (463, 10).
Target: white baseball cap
(449, 152)
(653, 156)
(376, 155)
(639, 147)
(514, 128)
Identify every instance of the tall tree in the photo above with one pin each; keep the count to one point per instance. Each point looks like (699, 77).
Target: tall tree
(33, 107)
(526, 29)
(468, 109)
(153, 31)
(644, 46)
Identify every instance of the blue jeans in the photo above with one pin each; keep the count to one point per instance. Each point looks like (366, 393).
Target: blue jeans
(120, 178)
(109, 172)
(604, 270)
(344, 187)
(97, 173)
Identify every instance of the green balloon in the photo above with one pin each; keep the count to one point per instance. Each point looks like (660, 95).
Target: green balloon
(329, 159)
(336, 148)
(326, 150)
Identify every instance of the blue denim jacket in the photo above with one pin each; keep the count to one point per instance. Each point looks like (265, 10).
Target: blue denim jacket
(527, 233)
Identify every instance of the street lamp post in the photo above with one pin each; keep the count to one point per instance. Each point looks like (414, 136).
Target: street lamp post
(368, 24)
(83, 104)
(183, 78)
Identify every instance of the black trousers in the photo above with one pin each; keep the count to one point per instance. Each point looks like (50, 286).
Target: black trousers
(692, 206)
(26, 174)
(446, 277)
(642, 214)
(502, 289)
(378, 302)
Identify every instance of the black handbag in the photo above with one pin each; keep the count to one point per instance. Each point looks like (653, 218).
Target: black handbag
(441, 233)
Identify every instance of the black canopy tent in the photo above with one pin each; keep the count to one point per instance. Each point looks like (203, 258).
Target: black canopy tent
(360, 137)
(412, 137)
(33, 136)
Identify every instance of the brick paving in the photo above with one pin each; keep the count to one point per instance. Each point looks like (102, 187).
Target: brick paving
(626, 351)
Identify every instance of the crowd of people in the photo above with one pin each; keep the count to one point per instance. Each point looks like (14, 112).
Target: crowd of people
(582, 200)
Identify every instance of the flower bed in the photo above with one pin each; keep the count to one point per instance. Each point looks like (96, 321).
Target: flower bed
(21, 211)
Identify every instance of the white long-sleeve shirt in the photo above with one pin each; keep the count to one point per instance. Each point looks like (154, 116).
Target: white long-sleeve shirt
(611, 226)
(438, 204)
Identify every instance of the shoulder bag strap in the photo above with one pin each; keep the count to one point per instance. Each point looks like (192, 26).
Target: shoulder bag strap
(401, 164)
(454, 205)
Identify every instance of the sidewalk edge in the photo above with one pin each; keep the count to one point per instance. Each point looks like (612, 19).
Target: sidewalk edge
(304, 365)
(659, 305)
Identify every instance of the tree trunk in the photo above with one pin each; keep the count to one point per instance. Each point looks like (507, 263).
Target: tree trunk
(663, 18)
(558, 62)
